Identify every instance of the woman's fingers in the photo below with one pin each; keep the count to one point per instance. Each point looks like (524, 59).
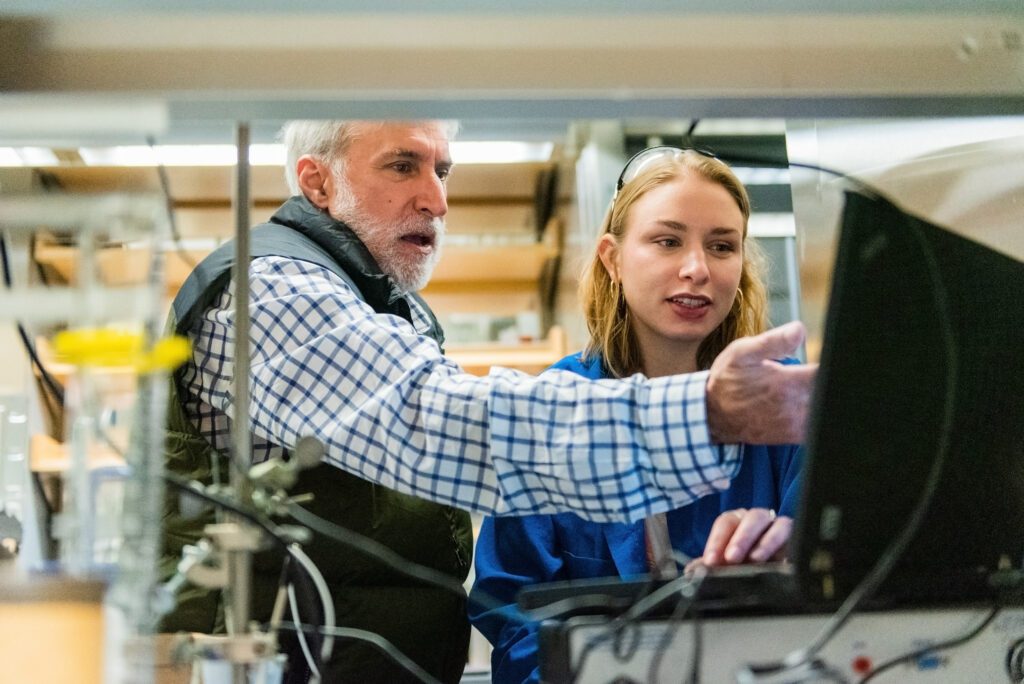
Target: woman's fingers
(741, 535)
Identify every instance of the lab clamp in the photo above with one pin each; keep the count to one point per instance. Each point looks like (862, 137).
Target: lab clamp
(222, 560)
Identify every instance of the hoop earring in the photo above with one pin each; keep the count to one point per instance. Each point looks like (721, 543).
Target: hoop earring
(617, 295)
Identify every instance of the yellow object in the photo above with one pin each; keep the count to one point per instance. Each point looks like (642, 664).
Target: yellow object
(166, 355)
(109, 348)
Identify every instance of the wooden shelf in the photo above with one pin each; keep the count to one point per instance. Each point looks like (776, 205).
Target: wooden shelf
(460, 266)
(464, 265)
(119, 266)
(48, 456)
(530, 357)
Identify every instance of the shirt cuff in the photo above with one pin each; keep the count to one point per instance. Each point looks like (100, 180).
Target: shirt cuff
(686, 464)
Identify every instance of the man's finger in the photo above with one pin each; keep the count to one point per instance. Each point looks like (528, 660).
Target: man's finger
(797, 380)
(773, 344)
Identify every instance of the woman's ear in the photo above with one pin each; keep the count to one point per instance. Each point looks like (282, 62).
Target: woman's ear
(608, 253)
(315, 181)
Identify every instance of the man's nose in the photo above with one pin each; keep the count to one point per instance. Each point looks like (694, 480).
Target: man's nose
(432, 198)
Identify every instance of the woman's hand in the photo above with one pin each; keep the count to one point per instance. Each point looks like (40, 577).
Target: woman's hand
(743, 535)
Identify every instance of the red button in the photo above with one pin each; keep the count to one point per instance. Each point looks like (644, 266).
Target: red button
(861, 664)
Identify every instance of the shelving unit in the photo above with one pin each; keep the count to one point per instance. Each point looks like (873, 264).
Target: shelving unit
(496, 263)
(530, 357)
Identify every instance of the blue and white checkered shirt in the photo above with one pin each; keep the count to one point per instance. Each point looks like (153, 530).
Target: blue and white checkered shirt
(390, 408)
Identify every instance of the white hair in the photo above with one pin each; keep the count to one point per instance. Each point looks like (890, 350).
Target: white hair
(327, 141)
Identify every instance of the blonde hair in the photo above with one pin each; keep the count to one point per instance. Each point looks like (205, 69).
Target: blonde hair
(612, 337)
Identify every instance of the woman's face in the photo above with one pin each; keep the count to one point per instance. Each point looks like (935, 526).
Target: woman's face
(679, 263)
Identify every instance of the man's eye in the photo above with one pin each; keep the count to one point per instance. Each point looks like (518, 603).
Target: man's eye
(402, 167)
(444, 173)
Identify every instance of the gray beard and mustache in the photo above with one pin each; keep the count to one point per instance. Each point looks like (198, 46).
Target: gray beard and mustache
(383, 240)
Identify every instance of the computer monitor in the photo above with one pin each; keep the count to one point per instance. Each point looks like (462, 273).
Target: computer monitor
(921, 380)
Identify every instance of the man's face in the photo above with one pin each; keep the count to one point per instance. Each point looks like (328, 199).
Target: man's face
(392, 193)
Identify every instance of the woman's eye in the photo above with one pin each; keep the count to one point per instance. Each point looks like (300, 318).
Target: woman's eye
(668, 242)
(724, 247)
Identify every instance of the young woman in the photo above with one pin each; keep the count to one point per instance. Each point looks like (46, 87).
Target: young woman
(672, 282)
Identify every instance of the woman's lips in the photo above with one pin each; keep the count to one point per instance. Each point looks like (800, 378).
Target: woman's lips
(690, 307)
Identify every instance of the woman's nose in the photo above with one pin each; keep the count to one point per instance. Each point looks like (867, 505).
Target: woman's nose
(694, 266)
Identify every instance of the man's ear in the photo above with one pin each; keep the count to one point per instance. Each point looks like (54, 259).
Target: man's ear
(315, 180)
(608, 253)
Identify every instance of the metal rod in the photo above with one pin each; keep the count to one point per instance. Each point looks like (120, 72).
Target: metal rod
(241, 435)
(240, 563)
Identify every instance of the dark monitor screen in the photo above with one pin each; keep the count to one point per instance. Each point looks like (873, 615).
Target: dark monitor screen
(921, 379)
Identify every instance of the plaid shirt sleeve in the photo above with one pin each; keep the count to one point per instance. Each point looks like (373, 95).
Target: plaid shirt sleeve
(391, 408)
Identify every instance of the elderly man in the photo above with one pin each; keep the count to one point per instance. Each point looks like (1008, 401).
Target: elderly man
(346, 352)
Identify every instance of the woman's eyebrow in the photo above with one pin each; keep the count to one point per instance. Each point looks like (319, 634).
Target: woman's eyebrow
(682, 227)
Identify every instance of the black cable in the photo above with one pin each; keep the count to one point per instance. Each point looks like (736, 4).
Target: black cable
(615, 627)
(941, 646)
(697, 653)
(688, 598)
(688, 136)
(165, 189)
(684, 587)
(51, 384)
(374, 549)
(258, 519)
(668, 635)
(300, 581)
(863, 186)
(49, 553)
(373, 639)
(556, 609)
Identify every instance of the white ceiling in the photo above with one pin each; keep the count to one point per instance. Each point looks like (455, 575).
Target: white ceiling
(541, 66)
(47, 7)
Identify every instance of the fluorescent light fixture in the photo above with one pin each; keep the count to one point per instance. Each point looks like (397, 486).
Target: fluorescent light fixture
(38, 156)
(10, 157)
(463, 152)
(761, 175)
(499, 151)
(267, 155)
(27, 156)
(741, 127)
(771, 225)
(179, 155)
